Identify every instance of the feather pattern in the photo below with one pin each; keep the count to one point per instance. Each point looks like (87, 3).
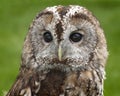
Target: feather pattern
(64, 54)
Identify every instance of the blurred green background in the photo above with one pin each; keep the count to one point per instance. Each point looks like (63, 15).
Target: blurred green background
(16, 16)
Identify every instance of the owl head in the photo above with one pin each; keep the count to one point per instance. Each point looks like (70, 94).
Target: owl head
(66, 36)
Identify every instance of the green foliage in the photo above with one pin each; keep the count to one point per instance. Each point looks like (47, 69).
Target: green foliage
(16, 15)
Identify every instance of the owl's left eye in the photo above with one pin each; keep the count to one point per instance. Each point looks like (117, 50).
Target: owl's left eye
(75, 36)
(47, 36)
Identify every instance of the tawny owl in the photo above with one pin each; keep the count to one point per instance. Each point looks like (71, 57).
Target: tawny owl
(64, 54)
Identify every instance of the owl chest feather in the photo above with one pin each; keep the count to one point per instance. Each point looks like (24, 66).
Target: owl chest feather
(53, 83)
(58, 83)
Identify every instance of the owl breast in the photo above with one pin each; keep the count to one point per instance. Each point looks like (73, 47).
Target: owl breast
(82, 83)
(53, 83)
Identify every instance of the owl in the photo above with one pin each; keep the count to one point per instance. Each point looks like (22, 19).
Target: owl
(64, 54)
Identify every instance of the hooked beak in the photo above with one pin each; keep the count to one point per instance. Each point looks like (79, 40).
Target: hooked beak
(60, 53)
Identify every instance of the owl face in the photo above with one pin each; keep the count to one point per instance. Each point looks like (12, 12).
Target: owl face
(64, 35)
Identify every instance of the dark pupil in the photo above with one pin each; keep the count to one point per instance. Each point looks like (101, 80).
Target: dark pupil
(75, 37)
(47, 36)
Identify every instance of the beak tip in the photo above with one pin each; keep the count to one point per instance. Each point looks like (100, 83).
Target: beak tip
(59, 53)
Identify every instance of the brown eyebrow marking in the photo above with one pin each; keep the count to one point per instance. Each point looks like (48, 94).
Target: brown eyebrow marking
(82, 16)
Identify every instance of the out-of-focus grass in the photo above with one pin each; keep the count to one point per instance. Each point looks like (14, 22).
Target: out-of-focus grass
(16, 15)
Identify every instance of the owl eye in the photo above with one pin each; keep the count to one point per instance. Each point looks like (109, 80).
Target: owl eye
(75, 37)
(47, 36)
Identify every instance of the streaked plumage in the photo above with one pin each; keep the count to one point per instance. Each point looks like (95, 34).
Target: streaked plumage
(64, 54)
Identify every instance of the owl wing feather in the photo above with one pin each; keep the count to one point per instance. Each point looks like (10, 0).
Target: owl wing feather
(26, 84)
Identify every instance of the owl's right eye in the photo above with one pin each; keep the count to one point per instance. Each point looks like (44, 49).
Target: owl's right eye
(47, 36)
